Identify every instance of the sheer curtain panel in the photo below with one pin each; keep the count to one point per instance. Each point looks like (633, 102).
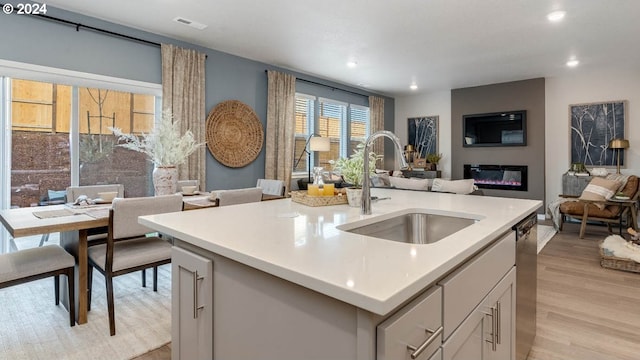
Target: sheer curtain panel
(376, 109)
(281, 100)
(183, 93)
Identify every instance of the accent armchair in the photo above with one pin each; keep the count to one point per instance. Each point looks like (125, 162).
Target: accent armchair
(607, 211)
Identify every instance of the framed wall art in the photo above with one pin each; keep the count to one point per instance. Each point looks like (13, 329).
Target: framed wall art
(593, 125)
(423, 135)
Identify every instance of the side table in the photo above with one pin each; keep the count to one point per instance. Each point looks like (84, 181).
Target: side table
(630, 204)
(573, 185)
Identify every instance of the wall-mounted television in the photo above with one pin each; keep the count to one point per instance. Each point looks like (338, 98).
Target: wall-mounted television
(507, 128)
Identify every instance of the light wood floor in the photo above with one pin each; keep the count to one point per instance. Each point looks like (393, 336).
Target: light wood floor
(585, 312)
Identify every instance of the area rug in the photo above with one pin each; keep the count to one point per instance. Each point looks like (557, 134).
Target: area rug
(33, 327)
(545, 234)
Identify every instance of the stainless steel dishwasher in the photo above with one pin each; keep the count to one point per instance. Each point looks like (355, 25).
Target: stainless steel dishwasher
(526, 284)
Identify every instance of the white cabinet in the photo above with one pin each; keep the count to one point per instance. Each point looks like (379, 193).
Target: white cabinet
(192, 306)
(467, 286)
(460, 317)
(488, 333)
(414, 332)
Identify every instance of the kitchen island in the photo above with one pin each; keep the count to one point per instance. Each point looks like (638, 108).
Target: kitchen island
(286, 283)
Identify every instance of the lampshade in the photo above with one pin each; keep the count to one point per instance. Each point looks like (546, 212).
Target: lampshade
(319, 144)
(618, 144)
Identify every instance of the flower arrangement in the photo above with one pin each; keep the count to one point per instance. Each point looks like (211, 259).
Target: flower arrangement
(352, 168)
(163, 145)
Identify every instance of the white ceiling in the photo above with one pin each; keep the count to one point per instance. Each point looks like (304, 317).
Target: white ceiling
(438, 44)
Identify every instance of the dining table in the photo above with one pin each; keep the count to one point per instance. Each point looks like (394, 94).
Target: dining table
(74, 224)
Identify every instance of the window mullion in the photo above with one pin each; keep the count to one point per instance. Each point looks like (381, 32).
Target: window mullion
(74, 136)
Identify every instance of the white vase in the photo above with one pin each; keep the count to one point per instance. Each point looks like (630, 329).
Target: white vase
(354, 196)
(165, 180)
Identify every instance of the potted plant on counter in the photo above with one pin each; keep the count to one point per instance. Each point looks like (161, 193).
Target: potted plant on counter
(165, 147)
(352, 170)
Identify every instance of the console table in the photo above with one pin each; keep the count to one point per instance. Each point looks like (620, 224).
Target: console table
(573, 185)
(426, 174)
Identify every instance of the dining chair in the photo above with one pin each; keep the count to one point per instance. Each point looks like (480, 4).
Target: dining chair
(239, 196)
(32, 264)
(49, 196)
(99, 235)
(271, 187)
(91, 191)
(129, 246)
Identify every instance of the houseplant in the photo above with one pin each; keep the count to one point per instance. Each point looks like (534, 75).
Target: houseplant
(352, 170)
(434, 158)
(165, 147)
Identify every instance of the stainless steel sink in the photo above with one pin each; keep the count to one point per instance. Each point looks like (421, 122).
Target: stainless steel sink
(412, 227)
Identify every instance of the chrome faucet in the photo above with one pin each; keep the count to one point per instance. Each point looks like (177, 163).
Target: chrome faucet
(365, 208)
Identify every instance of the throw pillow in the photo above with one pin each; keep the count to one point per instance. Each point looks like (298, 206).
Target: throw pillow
(621, 178)
(600, 189)
(453, 186)
(411, 183)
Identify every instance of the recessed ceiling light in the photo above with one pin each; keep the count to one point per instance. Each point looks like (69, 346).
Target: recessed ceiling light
(556, 16)
(573, 63)
(413, 87)
(352, 64)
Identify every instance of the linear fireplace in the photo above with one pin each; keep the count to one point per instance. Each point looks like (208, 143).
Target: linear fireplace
(505, 177)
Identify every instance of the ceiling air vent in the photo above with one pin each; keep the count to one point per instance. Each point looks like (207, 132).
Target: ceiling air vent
(193, 24)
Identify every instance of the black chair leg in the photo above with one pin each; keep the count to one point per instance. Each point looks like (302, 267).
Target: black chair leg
(89, 286)
(56, 288)
(45, 237)
(155, 278)
(72, 298)
(110, 307)
(144, 277)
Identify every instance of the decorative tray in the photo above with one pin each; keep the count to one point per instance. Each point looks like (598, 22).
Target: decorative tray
(302, 198)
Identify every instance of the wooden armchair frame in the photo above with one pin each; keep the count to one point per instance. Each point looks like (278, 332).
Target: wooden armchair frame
(622, 208)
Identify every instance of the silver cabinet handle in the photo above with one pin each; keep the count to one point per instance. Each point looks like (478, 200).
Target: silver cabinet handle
(498, 336)
(195, 293)
(494, 337)
(418, 350)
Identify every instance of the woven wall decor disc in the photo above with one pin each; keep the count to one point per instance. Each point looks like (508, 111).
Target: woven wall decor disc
(234, 133)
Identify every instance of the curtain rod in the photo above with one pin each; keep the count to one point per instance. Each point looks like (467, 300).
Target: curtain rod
(79, 25)
(330, 87)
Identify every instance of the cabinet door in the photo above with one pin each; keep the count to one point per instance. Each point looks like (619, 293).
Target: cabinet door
(191, 306)
(470, 339)
(492, 321)
(415, 331)
(502, 299)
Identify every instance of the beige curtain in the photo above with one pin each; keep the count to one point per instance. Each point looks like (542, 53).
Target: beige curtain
(281, 101)
(183, 93)
(376, 112)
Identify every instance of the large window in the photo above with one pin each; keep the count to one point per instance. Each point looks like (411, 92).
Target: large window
(344, 124)
(60, 136)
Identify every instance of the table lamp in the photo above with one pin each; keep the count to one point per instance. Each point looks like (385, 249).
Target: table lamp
(618, 145)
(315, 142)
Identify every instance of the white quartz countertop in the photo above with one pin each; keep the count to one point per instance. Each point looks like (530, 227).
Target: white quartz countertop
(301, 244)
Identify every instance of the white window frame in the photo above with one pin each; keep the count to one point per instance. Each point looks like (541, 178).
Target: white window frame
(345, 126)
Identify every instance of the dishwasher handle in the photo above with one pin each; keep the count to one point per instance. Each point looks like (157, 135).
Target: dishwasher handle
(525, 226)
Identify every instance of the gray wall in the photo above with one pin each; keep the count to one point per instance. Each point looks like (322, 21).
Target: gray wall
(41, 42)
(518, 95)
